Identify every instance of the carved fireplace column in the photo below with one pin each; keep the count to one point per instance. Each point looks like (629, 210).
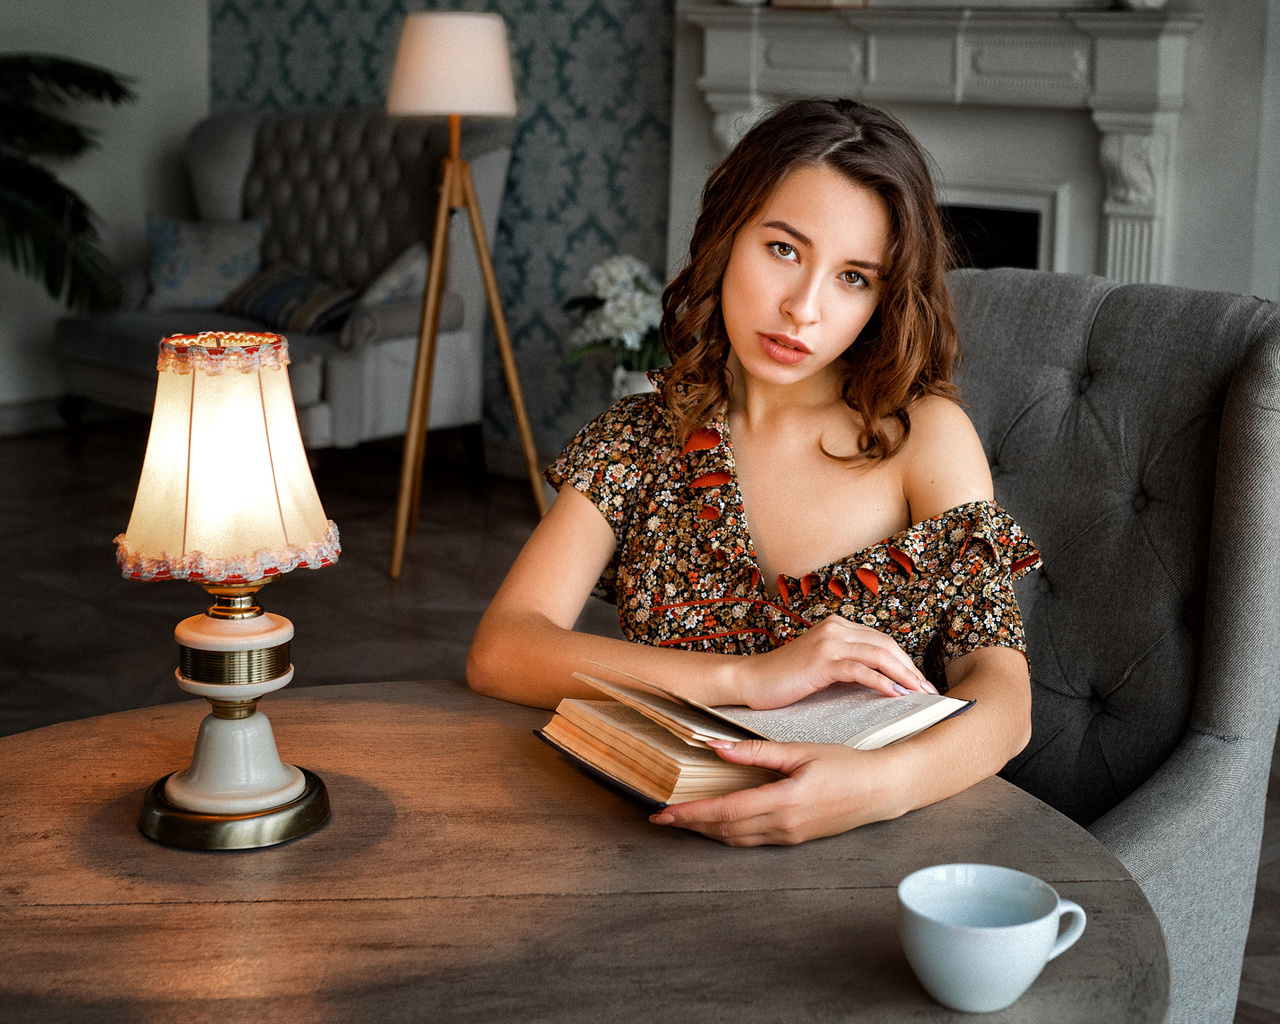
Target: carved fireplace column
(1134, 152)
(1138, 76)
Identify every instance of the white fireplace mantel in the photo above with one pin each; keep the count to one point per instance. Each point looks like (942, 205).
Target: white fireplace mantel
(1124, 67)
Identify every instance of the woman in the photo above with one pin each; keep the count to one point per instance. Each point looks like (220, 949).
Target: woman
(808, 414)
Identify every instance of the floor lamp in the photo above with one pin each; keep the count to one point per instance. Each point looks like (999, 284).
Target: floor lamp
(454, 64)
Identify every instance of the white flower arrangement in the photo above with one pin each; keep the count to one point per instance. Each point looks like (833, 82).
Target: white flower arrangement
(620, 315)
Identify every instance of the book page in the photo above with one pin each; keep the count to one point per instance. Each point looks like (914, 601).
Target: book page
(623, 744)
(692, 725)
(834, 715)
(845, 713)
(623, 724)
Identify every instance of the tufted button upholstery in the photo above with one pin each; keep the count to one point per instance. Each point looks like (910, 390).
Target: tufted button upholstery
(352, 175)
(1079, 474)
(1193, 615)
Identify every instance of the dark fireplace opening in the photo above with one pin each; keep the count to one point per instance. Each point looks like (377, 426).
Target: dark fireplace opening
(986, 237)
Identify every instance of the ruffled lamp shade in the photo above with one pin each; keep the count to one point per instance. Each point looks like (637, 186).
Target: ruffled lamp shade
(226, 495)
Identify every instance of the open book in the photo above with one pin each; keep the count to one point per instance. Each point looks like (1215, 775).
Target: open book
(652, 744)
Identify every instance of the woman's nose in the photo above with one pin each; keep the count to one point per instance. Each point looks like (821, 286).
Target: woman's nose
(800, 303)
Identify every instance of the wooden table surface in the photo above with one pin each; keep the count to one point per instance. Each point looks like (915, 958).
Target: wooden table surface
(470, 874)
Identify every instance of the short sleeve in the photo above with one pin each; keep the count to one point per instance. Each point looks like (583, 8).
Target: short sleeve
(981, 609)
(606, 461)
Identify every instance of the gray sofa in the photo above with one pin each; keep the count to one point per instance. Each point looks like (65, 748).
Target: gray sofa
(341, 192)
(1134, 431)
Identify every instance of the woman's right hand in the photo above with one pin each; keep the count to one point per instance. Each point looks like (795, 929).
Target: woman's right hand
(836, 650)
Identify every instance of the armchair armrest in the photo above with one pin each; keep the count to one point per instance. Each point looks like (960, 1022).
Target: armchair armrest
(1171, 817)
(373, 323)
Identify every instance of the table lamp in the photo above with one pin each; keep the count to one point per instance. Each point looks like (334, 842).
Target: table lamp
(453, 64)
(226, 500)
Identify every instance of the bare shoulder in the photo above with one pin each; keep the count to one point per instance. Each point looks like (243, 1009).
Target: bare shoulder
(943, 464)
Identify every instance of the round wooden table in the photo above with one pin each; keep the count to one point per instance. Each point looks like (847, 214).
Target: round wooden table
(470, 874)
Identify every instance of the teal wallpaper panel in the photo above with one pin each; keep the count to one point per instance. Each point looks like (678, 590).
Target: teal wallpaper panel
(589, 170)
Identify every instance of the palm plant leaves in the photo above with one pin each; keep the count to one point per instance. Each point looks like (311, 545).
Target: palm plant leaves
(37, 132)
(47, 231)
(43, 80)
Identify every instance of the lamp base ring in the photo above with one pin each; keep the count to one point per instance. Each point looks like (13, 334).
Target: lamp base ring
(167, 823)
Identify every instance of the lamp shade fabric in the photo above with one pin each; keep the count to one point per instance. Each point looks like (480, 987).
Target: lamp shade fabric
(453, 63)
(226, 495)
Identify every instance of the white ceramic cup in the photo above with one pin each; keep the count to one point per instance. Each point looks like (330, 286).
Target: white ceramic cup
(977, 935)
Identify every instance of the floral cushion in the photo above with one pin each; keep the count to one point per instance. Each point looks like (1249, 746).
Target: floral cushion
(404, 279)
(197, 265)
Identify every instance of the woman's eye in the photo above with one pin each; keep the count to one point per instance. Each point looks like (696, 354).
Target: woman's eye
(852, 277)
(783, 249)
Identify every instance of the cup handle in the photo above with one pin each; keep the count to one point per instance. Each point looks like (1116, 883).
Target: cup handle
(1074, 930)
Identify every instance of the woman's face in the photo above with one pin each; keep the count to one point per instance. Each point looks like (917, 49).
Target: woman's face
(803, 276)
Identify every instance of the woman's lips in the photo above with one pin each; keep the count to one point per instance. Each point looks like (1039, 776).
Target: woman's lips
(783, 349)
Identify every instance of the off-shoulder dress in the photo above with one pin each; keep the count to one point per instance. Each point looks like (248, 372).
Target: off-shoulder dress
(684, 573)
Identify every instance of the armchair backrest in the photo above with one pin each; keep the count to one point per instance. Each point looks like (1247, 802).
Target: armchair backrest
(1101, 409)
(342, 191)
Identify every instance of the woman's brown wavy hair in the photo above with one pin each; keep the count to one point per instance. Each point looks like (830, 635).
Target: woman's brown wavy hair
(909, 347)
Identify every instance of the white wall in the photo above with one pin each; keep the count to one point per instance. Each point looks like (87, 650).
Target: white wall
(1222, 228)
(163, 45)
(1266, 237)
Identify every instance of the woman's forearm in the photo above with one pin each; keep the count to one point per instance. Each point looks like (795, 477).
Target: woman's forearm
(962, 751)
(523, 656)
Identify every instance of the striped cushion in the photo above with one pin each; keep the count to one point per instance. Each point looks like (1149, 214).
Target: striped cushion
(290, 299)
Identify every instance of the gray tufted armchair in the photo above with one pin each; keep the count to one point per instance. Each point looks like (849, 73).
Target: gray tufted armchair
(1134, 431)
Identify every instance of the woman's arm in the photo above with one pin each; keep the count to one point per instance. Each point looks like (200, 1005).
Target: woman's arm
(526, 650)
(830, 788)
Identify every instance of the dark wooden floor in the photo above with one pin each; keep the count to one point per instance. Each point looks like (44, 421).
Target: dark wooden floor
(79, 640)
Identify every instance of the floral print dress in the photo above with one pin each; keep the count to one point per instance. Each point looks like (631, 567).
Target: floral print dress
(684, 573)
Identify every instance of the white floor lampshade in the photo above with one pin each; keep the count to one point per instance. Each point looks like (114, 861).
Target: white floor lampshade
(226, 500)
(453, 63)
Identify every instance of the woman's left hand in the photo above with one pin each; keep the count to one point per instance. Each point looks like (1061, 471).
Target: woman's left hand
(828, 789)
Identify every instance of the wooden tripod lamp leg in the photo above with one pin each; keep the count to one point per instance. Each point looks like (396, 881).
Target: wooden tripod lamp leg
(415, 434)
(504, 342)
(456, 190)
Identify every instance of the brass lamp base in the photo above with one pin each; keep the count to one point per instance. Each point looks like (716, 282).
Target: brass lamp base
(167, 823)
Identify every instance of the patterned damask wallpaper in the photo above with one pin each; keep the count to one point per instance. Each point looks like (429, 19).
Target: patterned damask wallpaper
(589, 170)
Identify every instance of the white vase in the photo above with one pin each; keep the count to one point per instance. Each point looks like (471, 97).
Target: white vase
(629, 382)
